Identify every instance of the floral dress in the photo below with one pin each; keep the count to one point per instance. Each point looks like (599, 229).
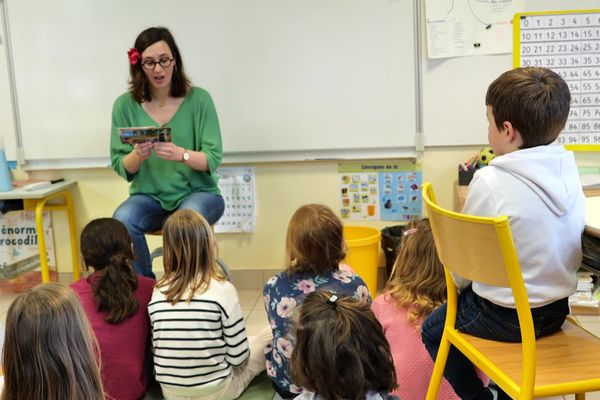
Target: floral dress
(283, 294)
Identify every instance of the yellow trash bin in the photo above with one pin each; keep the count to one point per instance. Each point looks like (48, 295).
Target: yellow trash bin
(362, 256)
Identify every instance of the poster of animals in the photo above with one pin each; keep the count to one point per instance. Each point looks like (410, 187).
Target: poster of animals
(380, 190)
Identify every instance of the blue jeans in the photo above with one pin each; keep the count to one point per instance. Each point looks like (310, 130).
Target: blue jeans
(482, 318)
(141, 213)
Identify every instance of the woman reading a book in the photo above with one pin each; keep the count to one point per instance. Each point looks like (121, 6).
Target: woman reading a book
(164, 175)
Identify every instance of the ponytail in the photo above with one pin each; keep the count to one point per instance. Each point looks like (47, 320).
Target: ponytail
(114, 292)
(106, 247)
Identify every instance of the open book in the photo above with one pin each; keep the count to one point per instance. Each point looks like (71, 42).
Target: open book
(144, 134)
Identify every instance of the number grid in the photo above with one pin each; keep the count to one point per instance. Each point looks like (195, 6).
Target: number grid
(567, 42)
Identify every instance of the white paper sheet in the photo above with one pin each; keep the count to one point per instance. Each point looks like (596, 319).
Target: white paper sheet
(469, 27)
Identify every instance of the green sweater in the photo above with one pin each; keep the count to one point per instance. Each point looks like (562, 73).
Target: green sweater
(194, 126)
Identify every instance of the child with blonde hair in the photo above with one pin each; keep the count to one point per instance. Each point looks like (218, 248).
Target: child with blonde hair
(416, 287)
(198, 333)
(49, 349)
(315, 247)
(341, 352)
(115, 300)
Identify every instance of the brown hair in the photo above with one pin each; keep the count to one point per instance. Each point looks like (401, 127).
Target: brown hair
(189, 256)
(341, 351)
(106, 247)
(534, 100)
(417, 280)
(139, 86)
(315, 240)
(49, 351)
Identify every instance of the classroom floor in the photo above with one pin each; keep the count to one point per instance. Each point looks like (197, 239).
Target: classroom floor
(256, 318)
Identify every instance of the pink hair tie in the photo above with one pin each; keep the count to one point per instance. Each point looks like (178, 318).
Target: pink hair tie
(409, 231)
(134, 55)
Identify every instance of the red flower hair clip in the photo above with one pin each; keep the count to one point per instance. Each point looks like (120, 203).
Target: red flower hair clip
(133, 55)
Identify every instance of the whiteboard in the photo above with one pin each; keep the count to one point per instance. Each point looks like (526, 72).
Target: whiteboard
(7, 127)
(288, 77)
(454, 88)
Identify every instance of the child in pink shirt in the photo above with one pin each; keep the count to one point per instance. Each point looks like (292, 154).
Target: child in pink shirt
(416, 287)
(115, 301)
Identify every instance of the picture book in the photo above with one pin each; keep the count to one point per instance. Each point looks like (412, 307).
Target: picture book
(145, 134)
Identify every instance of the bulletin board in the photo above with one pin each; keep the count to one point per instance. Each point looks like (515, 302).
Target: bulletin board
(568, 42)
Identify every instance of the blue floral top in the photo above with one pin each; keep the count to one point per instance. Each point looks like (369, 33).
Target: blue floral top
(284, 293)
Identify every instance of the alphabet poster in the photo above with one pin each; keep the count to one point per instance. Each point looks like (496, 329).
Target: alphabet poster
(380, 190)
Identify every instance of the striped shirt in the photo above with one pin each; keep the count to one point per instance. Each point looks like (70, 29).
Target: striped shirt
(196, 344)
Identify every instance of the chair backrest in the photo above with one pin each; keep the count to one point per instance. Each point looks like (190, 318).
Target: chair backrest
(477, 248)
(480, 249)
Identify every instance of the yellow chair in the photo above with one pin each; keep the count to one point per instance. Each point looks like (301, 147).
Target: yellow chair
(565, 362)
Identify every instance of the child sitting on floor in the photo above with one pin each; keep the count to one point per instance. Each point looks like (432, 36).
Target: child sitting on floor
(315, 247)
(341, 352)
(416, 287)
(50, 351)
(115, 300)
(198, 331)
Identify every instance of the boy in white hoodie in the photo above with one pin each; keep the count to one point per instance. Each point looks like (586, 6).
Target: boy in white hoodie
(536, 184)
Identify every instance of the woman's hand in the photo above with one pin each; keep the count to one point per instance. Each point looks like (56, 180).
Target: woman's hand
(137, 156)
(169, 151)
(143, 150)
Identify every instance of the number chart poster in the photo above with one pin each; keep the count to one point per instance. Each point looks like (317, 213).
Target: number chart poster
(569, 44)
(380, 190)
(238, 188)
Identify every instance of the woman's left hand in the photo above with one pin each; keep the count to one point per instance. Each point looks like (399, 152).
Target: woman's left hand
(168, 151)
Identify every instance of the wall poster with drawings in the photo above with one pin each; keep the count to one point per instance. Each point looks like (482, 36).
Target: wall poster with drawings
(238, 188)
(380, 190)
(567, 42)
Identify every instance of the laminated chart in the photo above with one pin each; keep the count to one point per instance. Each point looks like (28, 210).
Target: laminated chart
(238, 188)
(380, 190)
(568, 42)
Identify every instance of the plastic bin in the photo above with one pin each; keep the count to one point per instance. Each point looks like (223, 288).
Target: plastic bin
(362, 256)
(391, 236)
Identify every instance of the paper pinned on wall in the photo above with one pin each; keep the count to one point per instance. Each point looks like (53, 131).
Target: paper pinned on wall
(238, 188)
(464, 28)
(387, 190)
(19, 251)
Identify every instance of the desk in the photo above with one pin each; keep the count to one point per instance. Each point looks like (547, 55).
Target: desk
(460, 195)
(36, 200)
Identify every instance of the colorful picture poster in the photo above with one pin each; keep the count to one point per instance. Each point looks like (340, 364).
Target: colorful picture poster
(380, 190)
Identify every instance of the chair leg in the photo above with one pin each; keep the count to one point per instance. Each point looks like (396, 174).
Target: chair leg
(438, 369)
(224, 268)
(579, 396)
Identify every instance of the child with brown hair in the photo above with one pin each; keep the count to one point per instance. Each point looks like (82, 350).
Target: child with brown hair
(198, 332)
(535, 183)
(315, 248)
(115, 300)
(416, 287)
(49, 348)
(341, 352)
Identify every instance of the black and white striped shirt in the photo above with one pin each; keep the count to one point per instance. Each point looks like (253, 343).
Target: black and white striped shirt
(196, 344)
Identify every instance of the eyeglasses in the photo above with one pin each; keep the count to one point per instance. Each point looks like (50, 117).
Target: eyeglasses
(164, 62)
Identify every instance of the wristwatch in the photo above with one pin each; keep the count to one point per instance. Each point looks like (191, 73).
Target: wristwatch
(185, 156)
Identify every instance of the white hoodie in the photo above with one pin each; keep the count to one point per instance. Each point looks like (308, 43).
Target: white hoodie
(539, 190)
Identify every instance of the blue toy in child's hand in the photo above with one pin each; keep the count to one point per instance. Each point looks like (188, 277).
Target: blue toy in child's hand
(485, 156)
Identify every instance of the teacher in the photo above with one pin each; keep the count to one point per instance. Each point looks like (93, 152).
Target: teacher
(164, 176)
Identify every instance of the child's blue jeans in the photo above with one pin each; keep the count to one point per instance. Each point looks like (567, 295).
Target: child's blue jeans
(141, 213)
(482, 318)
